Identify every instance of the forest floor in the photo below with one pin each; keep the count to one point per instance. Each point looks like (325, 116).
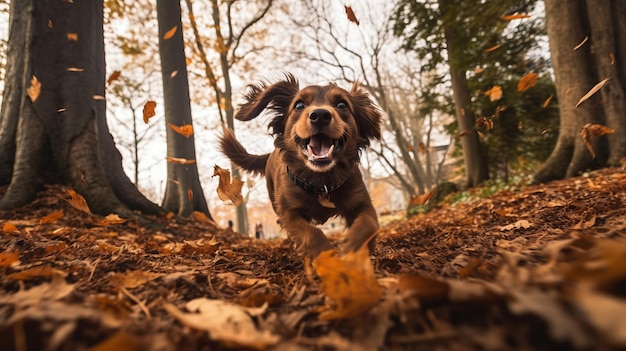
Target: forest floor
(539, 268)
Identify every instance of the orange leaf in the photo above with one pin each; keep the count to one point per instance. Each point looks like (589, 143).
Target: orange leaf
(54, 247)
(170, 33)
(189, 195)
(590, 130)
(527, 81)
(34, 89)
(7, 258)
(421, 199)
(78, 202)
(227, 190)
(592, 91)
(72, 36)
(52, 217)
(110, 219)
(493, 48)
(484, 123)
(37, 272)
(114, 76)
(75, 69)
(547, 102)
(201, 217)
(494, 93)
(148, 110)
(351, 17)
(185, 130)
(9, 227)
(179, 160)
(348, 280)
(514, 17)
(132, 279)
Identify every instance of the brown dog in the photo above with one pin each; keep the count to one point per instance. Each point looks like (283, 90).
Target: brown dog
(313, 172)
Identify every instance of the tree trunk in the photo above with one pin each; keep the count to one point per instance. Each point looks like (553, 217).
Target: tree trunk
(52, 136)
(577, 71)
(476, 166)
(183, 192)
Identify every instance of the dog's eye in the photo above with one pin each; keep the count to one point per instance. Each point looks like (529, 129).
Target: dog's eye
(342, 105)
(299, 105)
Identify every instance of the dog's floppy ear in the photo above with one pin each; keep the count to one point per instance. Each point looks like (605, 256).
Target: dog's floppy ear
(367, 115)
(276, 97)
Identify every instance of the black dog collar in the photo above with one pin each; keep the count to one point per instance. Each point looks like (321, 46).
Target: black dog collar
(309, 187)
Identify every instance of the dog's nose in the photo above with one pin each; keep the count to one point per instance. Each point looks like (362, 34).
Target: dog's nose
(320, 117)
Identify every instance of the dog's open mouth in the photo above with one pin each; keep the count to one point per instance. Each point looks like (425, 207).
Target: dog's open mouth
(320, 148)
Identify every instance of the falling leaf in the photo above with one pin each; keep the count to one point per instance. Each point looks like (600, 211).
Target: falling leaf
(189, 195)
(226, 190)
(590, 130)
(495, 93)
(78, 202)
(179, 160)
(478, 70)
(227, 322)
(201, 217)
(514, 17)
(170, 33)
(462, 134)
(98, 97)
(527, 81)
(7, 258)
(9, 227)
(493, 48)
(75, 69)
(185, 130)
(349, 281)
(148, 110)
(612, 58)
(52, 217)
(72, 36)
(34, 89)
(581, 43)
(174, 73)
(547, 102)
(50, 24)
(114, 76)
(351, 17)
(592, 91)
(422, 199)
(484, 123)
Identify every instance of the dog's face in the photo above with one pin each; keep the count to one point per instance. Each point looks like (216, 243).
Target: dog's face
(319, 126)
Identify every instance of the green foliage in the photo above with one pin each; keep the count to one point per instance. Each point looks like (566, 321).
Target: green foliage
(489, 188)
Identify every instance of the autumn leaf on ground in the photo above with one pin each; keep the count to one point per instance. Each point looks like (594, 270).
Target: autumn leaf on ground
(110, 219)
(227, 190)
(185, 130)
(114, 76)
(590, 130)
(170, 33)
(9, 227)
(132, 279)
(349, 280)
(37, 272)
(148, 110)
(351, 17)
(52, 217)
(7, 258)
(34, 89)
(78, 202)
(495, 93)
(201, 217)
(514, 17)
(226, 322)
(527, 81)
(592, 91)
(484, 123)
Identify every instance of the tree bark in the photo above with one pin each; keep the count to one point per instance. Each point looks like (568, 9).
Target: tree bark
(577, 71)
(183, 192)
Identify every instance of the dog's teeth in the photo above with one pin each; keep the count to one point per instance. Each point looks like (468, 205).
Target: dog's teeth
(330, 150)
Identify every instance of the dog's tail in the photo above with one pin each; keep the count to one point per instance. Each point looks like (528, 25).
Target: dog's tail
(232, 148)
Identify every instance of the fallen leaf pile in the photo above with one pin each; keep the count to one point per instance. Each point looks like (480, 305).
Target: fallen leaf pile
(541, 268)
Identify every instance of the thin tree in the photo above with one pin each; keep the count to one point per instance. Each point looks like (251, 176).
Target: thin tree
(53, 117)
(183, 192)
(588, 45)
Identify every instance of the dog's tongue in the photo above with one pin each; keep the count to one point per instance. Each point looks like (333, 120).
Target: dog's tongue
(320, 146)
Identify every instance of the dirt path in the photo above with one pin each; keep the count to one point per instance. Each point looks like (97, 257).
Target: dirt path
(540, 268)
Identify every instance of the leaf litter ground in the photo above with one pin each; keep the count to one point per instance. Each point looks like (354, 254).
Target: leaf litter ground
(540, 268)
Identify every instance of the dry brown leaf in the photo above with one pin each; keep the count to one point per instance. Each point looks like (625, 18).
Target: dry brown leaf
(148, 110)
(495, 93)
(170, 33)
(185, 130)
(201, 217)
(484, 123)
(592, 91)
(110, 219)
(132, 279)
(515, 16)
(114, 76)
(9, 227)
(120, 340)
(527, 81)
(226, 190)
(351, 17)
(34, 89)
(37, 272)
(78, 202)
(424, 288)
(179, 160)
(493, 48)
(349, 280)
(590, 130)
(52, 217)
(7, 258)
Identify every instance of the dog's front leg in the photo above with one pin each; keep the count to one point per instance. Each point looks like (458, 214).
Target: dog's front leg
(309, 240)
(362, 227)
